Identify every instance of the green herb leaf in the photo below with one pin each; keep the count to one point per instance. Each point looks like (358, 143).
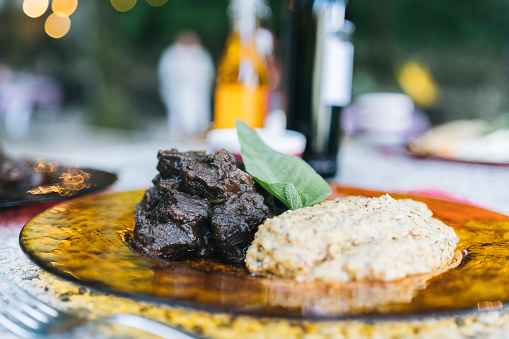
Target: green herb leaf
(287, 177)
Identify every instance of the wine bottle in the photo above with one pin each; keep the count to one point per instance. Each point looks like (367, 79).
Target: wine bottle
(242, 76)
(318, 75)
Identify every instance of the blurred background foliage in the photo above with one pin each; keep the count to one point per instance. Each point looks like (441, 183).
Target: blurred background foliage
(107, 62)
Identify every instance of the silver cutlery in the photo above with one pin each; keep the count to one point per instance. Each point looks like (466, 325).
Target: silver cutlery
(28, 317)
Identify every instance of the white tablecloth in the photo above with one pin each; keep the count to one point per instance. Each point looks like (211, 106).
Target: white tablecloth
(133, 158)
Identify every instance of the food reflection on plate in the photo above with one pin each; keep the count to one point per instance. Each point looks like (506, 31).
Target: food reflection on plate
(70, 180)
(352, 298)
(30, 181)
(309, 299)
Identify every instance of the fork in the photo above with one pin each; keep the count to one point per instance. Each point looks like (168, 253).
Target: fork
(24, 315)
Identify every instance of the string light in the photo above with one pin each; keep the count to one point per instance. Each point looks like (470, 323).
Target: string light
(156, 3)
(123, 5)
(35, 8)
(64, 6)
(57, 25)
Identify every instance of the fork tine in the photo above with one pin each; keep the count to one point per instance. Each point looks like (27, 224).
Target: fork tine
(18, 308)
(27, 317)
(11, 313)
(33, 304)
(144, 324)
(16, 328)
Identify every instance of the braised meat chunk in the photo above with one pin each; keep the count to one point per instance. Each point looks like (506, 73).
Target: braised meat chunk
(215, 178)
(172, 227)
(199, 205)
(170, 161)
(235, 222)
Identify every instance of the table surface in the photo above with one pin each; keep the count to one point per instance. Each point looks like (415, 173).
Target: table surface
(133, 158)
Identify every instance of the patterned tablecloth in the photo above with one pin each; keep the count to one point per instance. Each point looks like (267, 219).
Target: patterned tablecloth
(133, 158)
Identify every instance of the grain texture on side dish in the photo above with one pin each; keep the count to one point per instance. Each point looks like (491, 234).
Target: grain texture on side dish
(352, 239)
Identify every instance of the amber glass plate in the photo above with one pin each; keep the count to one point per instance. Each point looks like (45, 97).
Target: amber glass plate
(86, 241)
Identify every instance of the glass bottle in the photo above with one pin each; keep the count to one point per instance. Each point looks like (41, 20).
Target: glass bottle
(242, 76)
(318, 70)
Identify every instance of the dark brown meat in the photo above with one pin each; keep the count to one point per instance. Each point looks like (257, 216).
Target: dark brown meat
(199, 205)
(170, 161)
(215, 178)
(235, 222)
(173, 226)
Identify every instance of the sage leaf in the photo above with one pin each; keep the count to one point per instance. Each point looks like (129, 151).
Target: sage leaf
(287, 177)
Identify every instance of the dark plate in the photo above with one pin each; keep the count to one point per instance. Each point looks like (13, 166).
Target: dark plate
(85, 241)
(56, 184)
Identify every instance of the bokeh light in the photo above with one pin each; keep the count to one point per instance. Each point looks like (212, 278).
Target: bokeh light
(64, 6)
(57, 25)
(156, 3)
(35, 8)
(416, 80)
(123, 5)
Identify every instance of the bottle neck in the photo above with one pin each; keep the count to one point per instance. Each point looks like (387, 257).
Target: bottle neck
(331, 14)
(245, 20)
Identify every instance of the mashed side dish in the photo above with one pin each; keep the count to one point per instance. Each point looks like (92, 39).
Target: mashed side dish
(352, 239)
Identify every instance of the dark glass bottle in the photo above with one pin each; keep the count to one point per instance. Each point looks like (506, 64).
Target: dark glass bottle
(318, 73)
(299, 54)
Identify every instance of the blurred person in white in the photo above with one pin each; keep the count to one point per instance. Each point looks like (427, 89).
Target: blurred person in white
(16, 105)
(24, 93)
(186, 75)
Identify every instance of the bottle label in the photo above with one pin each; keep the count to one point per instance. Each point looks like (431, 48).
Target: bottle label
(337, 72)
(236, 101)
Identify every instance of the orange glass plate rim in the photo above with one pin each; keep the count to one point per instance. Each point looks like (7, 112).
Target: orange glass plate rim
(264, 304)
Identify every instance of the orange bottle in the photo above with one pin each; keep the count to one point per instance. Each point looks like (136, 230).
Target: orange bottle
(242, 76)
